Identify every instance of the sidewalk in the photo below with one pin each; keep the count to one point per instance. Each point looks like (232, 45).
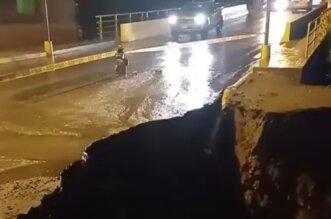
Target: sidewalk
(290, 56)
(280, 128)
(276, 86)
(23, 61)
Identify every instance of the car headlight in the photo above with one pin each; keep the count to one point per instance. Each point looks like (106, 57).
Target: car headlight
(281, 5)
(172, 19)
(200, 19)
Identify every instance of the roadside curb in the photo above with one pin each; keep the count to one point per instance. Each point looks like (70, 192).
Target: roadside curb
(25, 57)
(55, 66)
(22, 58)
(77, 48)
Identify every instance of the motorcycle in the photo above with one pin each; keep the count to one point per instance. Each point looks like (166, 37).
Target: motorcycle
(121, 65)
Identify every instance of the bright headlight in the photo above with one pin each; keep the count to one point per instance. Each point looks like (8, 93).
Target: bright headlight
(281, 5)
(200, 19)
(172, 19)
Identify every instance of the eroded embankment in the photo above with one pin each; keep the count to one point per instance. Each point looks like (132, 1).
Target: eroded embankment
(177, 168)
(187, 168)
(287, 175)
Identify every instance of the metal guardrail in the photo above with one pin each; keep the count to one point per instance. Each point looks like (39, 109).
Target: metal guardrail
(108, 25)
(317, 30)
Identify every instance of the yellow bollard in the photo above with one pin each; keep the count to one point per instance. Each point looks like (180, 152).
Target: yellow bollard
(226, 99)
(287, 34)
(48, 48)
(265, 55)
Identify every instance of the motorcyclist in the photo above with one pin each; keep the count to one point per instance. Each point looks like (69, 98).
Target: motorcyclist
(122, 61)
(120, 52)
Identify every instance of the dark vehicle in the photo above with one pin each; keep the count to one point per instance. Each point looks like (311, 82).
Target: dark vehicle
(196, 18)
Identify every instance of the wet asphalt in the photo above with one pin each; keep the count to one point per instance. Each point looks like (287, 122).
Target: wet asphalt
(46, 121)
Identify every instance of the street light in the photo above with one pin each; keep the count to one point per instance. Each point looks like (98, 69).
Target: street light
(265, 49)
(48, 45)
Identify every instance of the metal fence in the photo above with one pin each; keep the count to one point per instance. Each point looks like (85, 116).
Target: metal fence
(317, 30)
(108, 25)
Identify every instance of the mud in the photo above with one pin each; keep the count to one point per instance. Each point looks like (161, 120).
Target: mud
(178, 168)
(291, 176)
(19, 196)
(187, 167)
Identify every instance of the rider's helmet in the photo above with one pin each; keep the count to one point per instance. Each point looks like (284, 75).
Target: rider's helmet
(120, 47)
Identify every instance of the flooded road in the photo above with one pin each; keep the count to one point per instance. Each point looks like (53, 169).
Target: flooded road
(47, 121)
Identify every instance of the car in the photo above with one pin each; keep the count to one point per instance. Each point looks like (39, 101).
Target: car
(196, 18)
(279, 5)
(299, 5)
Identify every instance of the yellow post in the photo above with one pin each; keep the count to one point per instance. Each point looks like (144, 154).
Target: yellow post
(48, 48)
(265, 55)
(286, 36)
(124, 34)
(226, 99)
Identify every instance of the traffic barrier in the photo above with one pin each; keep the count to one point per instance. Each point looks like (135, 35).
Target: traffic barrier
(297, 28)
(234, 12)
(142, 30)
(315, 71)
(55, 66)
(108, 24)
(317, 30)
(145, 29)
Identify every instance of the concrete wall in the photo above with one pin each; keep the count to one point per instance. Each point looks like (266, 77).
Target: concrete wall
(20, 33)
(146, 29)
(297, 28)
(234, 12)
(142, 30)
(317, 67)
(21, 36)
(8, 13)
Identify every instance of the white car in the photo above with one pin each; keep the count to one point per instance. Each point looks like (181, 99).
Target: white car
(279, 5)
(300, 5)
(196, 18)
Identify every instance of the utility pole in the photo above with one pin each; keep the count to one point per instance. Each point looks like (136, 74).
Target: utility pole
(265, 49)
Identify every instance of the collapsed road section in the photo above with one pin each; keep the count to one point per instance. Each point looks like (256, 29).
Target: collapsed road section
(178, 168)
(295, 153)
(261, 154)
(188, 168)
(286, 174)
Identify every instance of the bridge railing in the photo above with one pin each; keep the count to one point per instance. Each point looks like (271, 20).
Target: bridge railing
(108, 25)
(317, 30)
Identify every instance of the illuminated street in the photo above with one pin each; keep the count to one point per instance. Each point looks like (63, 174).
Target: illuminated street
(46, 121)
(165, 109)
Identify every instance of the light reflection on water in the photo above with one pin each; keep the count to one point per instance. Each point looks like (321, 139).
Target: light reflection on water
(278, 22)
(188, 81)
